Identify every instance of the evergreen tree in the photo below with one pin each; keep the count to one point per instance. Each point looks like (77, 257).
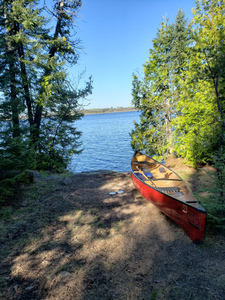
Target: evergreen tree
(15, 150)
(41, 85)
(35, 84)
(157, 94)
(56, 100)
(150, 95)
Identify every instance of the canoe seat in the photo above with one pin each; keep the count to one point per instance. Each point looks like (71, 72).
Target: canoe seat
(172, 189)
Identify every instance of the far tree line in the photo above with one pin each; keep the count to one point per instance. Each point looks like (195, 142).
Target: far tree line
(107, 110)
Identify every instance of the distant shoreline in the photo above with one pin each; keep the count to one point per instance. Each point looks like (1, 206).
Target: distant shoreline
(96, 111)
(107, 110)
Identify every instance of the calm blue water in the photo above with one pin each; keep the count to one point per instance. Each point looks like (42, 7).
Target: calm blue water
(106, 142)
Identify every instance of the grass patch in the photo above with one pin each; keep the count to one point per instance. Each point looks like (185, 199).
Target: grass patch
(153, 296)
(6, 213)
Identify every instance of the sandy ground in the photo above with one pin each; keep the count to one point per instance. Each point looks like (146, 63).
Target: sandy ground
(76, 241)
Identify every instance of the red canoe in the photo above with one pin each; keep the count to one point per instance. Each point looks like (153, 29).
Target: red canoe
(167, 191)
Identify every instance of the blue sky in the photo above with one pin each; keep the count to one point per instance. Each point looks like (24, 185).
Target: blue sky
(117, 35)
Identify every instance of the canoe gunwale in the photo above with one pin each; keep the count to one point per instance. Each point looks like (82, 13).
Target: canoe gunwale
(199, 209)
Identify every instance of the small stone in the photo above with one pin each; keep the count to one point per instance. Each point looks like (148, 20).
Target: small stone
(82, 261)
(46, 263)
(157, 281)
(63, 275)
(35, 174)
(29, 288)
(66, 181)
(15, 288)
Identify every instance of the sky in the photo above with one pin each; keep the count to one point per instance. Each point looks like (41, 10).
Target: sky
(116, 37)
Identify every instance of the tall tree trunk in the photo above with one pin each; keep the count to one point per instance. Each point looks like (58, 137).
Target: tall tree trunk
(52, 51)
(13, 93)
(26, 86)
(14, 100)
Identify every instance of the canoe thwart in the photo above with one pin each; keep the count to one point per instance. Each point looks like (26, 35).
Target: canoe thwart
(172, 179)
(143, 162)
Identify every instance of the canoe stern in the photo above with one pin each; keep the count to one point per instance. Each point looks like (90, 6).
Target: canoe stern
(189, 218)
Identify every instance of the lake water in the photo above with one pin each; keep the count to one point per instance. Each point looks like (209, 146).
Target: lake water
(106, 142)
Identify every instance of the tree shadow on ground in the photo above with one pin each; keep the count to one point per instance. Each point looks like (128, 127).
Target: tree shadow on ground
(79, 242)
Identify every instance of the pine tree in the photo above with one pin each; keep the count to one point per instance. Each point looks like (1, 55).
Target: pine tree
(150, 95)
(35, 84)
(42, 86)
(157, 94)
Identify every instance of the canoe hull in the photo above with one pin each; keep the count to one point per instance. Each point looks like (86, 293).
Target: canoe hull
(190, 219)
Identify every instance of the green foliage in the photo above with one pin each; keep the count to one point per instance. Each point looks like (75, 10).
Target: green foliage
(34, 50)
(15, 157)
(181, 95)
(198, 125)
(181, 92)
(157, 93)
(6, 213)
(153, 296)
(38, 105)
(215, 204)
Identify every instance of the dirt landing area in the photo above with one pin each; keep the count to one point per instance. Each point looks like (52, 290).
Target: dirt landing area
(77, 241)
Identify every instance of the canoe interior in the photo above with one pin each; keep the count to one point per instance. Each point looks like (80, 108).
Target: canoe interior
(162, 179)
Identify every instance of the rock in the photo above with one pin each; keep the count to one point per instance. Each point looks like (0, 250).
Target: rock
(157, 281)
(97, 172)
(46, 263)
(64, 275)
(66, 181)
(38, 176)
(35, 174)
(29, 288)
(15, 288)
(82, 262)
(51, 177)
